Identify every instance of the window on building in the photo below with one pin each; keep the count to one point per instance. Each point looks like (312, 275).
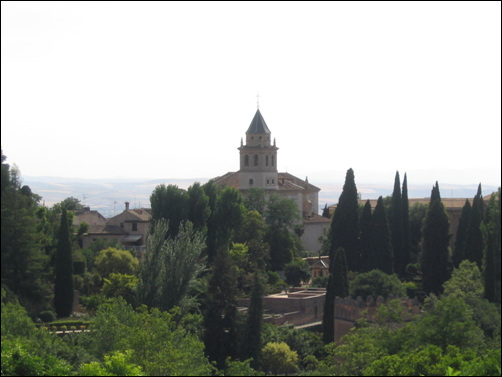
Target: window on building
(268, 181)
(246, 160)
(255, 160)
(251, 182)
(121, 225)
(134, 226)
(266, 160)
(273, 160)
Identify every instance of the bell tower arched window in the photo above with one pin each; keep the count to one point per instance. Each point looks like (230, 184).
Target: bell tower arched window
(266, 160)
(246, 160)
(255, 160)
(273, 160)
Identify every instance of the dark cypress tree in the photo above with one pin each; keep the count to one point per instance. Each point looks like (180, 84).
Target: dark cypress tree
(220, 313)
(406, 223)
(459, 253)
(491, 240)
(396, 227)
(365, 237)
(473, 247)
(325, 211)
(382, 255)
(63, 271)
(344, 231)
(338, 286)
(254, 321)
(435, 245)
(212, 193)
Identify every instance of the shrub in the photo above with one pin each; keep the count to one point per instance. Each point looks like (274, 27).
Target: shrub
(376, 283)
(47, 316)
(279, 359)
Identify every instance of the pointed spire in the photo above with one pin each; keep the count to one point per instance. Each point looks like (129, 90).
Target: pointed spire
(258, 125)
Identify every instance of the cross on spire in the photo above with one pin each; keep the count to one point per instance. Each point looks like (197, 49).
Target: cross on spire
(258, 101)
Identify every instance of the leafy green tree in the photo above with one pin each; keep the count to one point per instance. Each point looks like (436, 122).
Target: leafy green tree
(396, 228)
(376, 283)
(112, 260)
(382, 256)
(24, 264)
(297, 271)
(156, 341)
(115, 364)
(459, 252)
(304, 342)
(256, 200)
(279, 359)
(473, 246)
(281, 212)
(229, 214)
(121, 285)
(344, 230)
(282, 247)
(253, 228)
(170, 203)
(338, 286)
(435, 246)
(365, 237)
(170, 266)
(466, 283)
(220, 313)
(63, 285)
(198, 207)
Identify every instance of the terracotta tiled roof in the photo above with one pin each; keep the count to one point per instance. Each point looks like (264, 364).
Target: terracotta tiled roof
(286, 177)
(315, 219)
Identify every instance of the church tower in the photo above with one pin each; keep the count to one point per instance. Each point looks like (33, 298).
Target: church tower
(258, 158)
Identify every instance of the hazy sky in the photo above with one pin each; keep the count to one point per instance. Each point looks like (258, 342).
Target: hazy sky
(163, 89)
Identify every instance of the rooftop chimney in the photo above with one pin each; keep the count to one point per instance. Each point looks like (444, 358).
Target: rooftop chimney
(127, 206)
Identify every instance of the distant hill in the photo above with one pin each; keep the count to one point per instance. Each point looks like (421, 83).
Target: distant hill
(108, 196)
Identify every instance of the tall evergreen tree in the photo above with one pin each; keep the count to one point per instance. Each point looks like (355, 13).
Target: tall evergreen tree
(254, 320)
(338, 286)
(459, 252)
(344, 230)
(406, 223)
(63, 271)
(473, 247)
(220, 314)
(435, 245)
(396, 228)
(325, 211)
(212, 193)
(24, 264)
(365, 246)
(491, 240)
(382, 255)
